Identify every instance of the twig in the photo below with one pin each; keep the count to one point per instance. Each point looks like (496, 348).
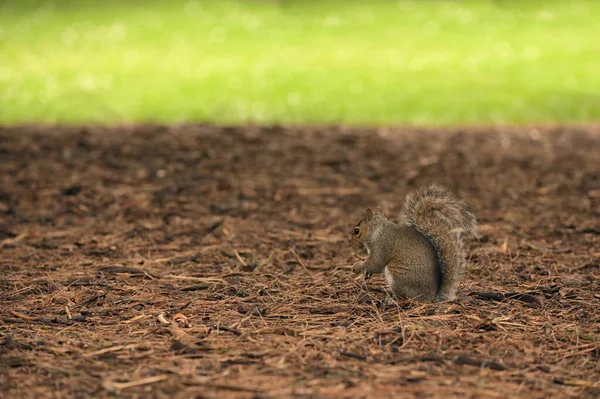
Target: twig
(224, 328)
(14, 240)
(298, 259)
(223, 386)
(162, 320)
(237, 255)
(199, 279)
(123, 270)
(40, 320)
(117, 386)
(136, 318)
(22, 315)
(100, 294)
(479, 363)
(353, 355)
(109, 350)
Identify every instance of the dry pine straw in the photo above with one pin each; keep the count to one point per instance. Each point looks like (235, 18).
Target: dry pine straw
(198, 261)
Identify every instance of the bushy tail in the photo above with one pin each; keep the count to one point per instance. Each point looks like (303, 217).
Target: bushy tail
(435, 213)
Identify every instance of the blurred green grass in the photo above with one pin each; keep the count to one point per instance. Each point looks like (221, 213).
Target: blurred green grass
(392, 62)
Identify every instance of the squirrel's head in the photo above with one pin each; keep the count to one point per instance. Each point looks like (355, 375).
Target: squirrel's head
(360, 232)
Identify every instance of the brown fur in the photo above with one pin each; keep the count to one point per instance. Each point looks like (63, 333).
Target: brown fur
(424, 255)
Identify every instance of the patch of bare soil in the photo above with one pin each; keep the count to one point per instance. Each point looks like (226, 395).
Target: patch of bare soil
(197, 261)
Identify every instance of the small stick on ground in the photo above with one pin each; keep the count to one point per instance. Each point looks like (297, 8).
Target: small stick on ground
(117, 386)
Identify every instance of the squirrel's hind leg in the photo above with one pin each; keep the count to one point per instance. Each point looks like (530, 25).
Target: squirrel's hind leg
(391, 296)
(403, 288)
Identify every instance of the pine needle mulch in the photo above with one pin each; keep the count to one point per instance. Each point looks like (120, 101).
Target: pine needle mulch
(202, 261)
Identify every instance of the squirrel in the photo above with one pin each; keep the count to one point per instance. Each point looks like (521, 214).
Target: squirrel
(423, 257)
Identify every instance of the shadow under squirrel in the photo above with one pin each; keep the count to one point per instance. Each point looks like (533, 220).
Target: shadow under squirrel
(423, 257)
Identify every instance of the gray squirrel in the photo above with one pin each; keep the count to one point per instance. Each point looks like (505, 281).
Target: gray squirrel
(423, 257)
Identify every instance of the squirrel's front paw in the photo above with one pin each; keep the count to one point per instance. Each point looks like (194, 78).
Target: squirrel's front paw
(389, 301)
(358, 267)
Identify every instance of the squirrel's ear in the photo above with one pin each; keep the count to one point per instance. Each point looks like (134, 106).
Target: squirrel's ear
(381, 211)
(369, 214)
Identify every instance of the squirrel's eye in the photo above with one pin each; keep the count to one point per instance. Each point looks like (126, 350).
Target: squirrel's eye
(356, 231)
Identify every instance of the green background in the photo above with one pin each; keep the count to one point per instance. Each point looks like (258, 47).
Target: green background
(391, 62)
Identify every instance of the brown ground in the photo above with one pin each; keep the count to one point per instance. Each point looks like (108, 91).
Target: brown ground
(204, 262)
